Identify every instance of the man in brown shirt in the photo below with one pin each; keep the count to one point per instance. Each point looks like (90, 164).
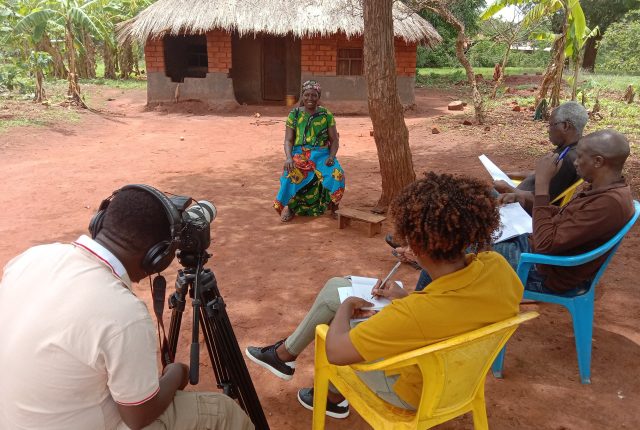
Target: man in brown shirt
(589, 220)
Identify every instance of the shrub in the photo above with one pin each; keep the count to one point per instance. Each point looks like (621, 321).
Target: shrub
(618, 50)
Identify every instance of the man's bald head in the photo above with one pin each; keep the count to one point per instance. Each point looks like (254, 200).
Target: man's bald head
(612, 146)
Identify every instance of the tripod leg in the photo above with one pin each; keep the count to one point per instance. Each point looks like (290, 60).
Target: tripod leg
(177, 303)
(222, 376)
(223, 342)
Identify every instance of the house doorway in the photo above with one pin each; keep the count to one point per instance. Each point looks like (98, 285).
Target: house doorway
(264, 68)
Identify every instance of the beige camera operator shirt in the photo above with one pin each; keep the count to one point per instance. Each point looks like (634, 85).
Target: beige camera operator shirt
(74, 340)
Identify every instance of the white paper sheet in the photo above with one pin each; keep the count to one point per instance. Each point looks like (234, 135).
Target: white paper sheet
(361, 287)
(514, 221)
(495, 171)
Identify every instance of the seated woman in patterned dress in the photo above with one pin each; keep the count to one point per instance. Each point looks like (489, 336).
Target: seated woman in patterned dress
(312, 180)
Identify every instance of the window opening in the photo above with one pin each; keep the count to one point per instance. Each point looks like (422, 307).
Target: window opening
(186, 57)
(349, 61)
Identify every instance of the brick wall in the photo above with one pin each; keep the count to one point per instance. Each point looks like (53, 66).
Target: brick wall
(219, 51)
(319, 55)
(405, 58)
(154, 55)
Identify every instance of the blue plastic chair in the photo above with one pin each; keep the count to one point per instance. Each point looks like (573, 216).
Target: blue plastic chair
(580, 306)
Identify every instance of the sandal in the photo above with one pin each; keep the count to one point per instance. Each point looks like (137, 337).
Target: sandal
(286, 215)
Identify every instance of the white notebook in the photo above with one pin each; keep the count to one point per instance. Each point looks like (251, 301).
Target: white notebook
(361, 287)
(495, 172)
(514, 221)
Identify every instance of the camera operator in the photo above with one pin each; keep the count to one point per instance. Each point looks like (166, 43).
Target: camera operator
(78, 349)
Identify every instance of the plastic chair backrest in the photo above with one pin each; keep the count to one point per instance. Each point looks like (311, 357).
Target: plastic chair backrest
(455, 369)
(528, 259)
(565, 196)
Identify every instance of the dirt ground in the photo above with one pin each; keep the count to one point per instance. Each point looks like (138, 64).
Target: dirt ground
(54, 177)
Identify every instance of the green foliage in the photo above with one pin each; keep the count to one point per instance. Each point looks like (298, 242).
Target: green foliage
(447, 76)
(486, 53)
(619, 46)
(26, 24)
(603, 13)
(444, 55)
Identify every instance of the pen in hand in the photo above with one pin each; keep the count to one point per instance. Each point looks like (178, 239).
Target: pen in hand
(391, 273)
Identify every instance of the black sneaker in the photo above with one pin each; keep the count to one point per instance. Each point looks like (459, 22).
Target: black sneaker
(334, 410)
(267, 358)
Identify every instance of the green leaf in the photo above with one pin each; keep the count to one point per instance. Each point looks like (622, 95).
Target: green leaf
(81, 19)
(578, 23)
(38, 31)
(541, 10)
(542, 35)
(36, 18)
(497, 6)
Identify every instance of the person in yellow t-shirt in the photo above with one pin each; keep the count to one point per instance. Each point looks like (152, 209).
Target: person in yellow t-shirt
(439, 216)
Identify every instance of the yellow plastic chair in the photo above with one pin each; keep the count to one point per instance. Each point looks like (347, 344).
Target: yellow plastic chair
(565, 196)
(453, 373)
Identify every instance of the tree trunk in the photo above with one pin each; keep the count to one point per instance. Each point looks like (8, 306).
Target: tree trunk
(73, 93)
(59, 69)
(39, 96)
(136, 56)
(90, 55)
(590, 53)
(389, 129)
(577, 64)
(443, 11)
(505, 58)
(126, 60)
(81, 65)
(554, 70)
(108, 56)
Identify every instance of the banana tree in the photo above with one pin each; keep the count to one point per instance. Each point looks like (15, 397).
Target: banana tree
(71, 16)
(568, 43)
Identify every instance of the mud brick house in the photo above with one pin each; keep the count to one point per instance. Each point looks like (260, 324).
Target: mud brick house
(258, 52)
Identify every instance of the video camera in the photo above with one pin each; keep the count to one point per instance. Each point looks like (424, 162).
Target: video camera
(194, 237)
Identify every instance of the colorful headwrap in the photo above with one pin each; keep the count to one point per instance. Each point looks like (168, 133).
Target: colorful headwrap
(311, 85)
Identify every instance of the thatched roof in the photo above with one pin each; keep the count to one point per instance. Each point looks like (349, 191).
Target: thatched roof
(278, 17)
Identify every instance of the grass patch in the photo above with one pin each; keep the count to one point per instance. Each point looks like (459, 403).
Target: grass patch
(14, 113)
(448, 76)
(607, 81)
(621, 116)
(125, 84)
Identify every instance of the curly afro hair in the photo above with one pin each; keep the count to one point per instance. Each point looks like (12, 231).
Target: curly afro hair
(442, 215)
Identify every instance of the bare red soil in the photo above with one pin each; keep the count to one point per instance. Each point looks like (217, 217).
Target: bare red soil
(269, 272)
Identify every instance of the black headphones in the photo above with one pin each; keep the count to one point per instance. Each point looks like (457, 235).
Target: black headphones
(160, 255)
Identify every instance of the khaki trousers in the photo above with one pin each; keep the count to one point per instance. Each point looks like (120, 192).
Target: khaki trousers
(202, 411)
(322, 312)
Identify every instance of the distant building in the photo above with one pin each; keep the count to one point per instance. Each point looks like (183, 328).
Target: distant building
(259, 52)
(528, 48)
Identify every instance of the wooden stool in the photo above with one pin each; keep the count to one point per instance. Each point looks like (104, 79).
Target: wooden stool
(345, 215)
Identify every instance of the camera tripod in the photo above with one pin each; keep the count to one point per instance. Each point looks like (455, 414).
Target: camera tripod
(209, 313)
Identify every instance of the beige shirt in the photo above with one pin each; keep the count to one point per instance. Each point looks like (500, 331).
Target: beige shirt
(74, 340)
